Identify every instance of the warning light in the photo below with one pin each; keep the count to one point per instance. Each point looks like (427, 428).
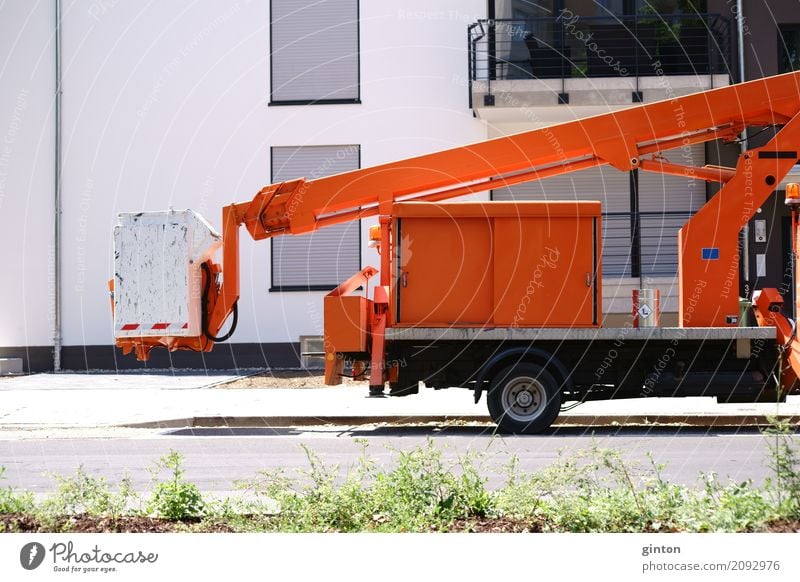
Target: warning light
(793, 193)
(374, 236)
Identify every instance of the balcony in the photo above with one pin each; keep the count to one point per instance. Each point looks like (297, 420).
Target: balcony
(598, 62)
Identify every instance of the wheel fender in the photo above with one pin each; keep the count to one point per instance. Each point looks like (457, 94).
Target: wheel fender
(534, 355)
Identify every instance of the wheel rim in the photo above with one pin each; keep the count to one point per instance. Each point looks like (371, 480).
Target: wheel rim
(524, 398)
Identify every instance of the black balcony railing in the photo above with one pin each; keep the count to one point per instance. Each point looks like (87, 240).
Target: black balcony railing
(628, 46)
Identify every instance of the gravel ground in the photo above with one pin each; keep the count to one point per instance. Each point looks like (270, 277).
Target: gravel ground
(269, 379)
(284, 379)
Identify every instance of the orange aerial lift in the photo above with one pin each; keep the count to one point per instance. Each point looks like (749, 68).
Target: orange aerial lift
(503, 297)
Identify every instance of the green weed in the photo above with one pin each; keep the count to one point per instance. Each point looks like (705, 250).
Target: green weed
(176, 498)
(784, 461)
(12, 501)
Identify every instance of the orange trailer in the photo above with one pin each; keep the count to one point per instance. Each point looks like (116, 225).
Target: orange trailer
(500, 297)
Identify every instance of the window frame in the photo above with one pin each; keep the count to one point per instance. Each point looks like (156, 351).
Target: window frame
(290, 102)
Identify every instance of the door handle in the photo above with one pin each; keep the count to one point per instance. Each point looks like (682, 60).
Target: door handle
(588, 279)
(404, 279)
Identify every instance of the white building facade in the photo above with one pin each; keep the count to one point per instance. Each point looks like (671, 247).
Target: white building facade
(197, 105)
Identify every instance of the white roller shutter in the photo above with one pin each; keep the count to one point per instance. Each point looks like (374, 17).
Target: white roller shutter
(666, 203)
(314, 50)
(324, 258)
(611, 187)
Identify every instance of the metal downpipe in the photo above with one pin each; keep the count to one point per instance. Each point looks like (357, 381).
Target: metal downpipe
(57, 203)
(743, 139)
(740, 37)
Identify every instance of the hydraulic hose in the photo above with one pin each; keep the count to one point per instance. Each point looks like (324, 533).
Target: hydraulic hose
(234, 309)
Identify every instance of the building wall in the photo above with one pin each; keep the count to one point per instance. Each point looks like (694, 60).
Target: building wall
(166, 105)
(761, 34)
(760, 22)
(27, 87)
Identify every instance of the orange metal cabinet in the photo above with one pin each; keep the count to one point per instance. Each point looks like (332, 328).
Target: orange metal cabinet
(346, 320)
(443, 270)
(503, 264)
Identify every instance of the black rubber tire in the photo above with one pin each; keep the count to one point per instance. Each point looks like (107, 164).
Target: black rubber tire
(524, 398)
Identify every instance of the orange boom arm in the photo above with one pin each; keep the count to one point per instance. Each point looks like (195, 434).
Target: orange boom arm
(626, 140)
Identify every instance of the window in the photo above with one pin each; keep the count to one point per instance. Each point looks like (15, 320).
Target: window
(320, 260)
(314, 52)
(789, 48)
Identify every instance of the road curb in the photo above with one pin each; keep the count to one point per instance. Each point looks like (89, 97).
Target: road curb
(751, 420)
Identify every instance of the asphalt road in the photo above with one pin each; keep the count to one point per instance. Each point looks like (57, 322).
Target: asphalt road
(215, 459)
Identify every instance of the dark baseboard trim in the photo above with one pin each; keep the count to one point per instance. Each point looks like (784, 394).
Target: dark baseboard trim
(223, 357)
(34, 358)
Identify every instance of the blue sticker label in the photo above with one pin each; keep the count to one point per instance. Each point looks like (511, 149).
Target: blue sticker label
(711, 254)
